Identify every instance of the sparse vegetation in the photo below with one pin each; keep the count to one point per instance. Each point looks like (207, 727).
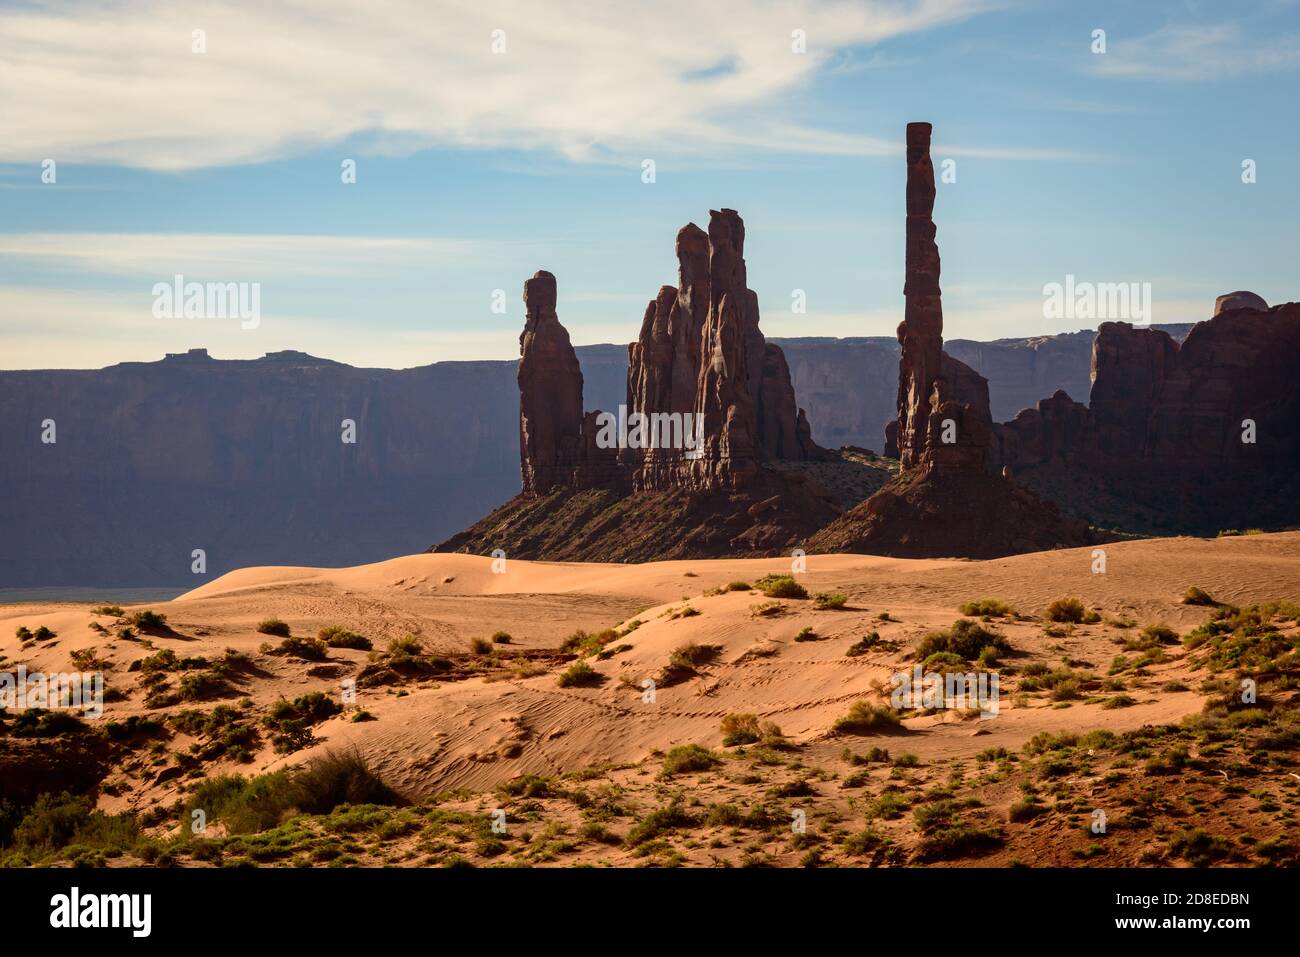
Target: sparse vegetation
(1195, 596)
(780, 586)
(1065, 610)
(829, 601)
(866, 717)
(271, 626)
(966, 639)
(579, 675)
(336, 636)
(986, 608)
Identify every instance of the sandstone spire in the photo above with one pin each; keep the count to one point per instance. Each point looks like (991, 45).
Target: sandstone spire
(550, 393)
(921, 332)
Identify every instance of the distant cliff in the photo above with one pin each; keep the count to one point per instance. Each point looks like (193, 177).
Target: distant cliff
(244, 458)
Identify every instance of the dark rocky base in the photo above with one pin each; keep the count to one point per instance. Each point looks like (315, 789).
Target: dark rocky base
(778, 511)
(937, 514)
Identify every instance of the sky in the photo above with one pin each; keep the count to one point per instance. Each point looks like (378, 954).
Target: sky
(493, 139)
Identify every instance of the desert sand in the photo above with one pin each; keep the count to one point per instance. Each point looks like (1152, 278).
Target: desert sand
(501, 718)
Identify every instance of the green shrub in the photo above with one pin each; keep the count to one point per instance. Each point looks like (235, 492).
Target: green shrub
(273, 626)
(336, 636)
(806, 634)
(863, 645)
(1195, 596)
(112, 611)
(291, 721)
(306, 649)
(740, 729)
(685, 660)
(687, 758)
(829, 601)
(44, 634)
(405, 647)
(1065, 610)
(501, 638)
(738, 586)
(658, 822)
(578, 675)
(966, 638)
(780, 586)
(480, 646)
(864, 717)
(986, 607)
(150, 620)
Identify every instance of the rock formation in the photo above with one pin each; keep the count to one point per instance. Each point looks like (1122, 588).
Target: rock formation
(1193, 437)
(945, 500)
(550, 393)
(709, 406)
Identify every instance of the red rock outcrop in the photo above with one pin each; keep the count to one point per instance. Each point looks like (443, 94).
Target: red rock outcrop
(921, 332)
(945, 501)
(709, 403)
(1189, 438)
(550, 393)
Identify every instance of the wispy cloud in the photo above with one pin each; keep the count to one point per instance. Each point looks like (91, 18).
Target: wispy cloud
(1197, 52)
(153, 254)
(120, 84)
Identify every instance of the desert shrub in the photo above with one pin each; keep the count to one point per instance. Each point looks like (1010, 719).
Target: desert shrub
(405, 647)
(863, 645)
(23, 633)
(480, 646)
(865, 717)
(56, 822)
(990, 607)
(44, 634)
(943, 659)
(112, 611)
(1159, 634)
(780, 586)
(1069, 610)
(291, 721)
(738, 586)
(966, 638)
(740, 729)
(687, 758)
(1199, 847)
(305, 649)
(40, 723)
(150, 620)
(767, 609)
(957, 841)
(1195, 596)
(658, 822)
(829, 601)
(249, 805)
(585, 643)
(1119, 701)
(1025, 810)
(198, 685)
(501, 638)
(806, 634)
(273, 626)
(336, 636)
(685, 660)
(579, 675)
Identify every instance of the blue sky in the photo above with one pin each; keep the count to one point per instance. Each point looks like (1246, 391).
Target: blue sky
(475, 168)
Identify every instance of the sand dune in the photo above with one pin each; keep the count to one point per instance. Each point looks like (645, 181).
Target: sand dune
(431, 736)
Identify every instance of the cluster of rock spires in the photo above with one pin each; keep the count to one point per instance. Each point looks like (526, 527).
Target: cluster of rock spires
(700, 357)
(1189, 432)
(945, 501)
(716, 408)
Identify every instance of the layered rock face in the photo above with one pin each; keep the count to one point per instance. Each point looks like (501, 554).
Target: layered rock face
(945, 501)
(1192, 437)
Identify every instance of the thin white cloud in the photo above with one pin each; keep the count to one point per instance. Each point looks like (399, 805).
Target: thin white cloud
(594, 81)
(154, 254)
(1197, 52)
